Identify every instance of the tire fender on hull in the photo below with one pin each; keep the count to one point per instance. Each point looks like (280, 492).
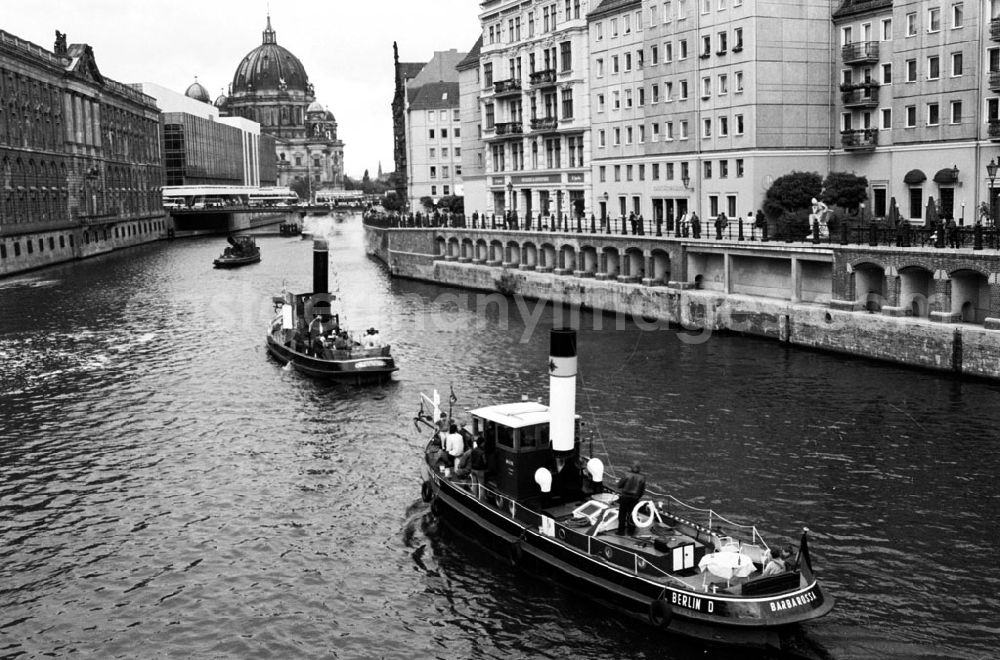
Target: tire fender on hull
(426, 491)
(660, 613)
(515, 553)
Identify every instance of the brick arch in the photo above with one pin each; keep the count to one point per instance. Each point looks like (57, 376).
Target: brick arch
(867, 263)
(964, 265)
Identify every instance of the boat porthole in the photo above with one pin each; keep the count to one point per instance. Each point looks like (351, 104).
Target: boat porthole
(561, 533)
(607, 552)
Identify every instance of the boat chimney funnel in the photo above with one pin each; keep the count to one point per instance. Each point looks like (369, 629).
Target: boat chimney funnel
(321, 266)
(562, 390)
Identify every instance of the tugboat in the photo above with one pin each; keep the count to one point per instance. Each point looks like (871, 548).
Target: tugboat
(289, 228)
(242, 250)
(307, 334)
(545, 509)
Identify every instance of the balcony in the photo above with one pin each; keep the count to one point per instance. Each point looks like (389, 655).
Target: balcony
(860, 52)
(864, 95)
(544, 124)
(995, 29)
(993, 131)
(509, 86)
(543, 77)
(864, 139)
(995, 81)
(509, 128)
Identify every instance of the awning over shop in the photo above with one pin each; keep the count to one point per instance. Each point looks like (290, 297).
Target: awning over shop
(946, 175)
(914, 177)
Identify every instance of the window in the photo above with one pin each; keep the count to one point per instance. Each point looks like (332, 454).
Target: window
(886, 119)
(639, 61)
(706, 128)
(739, 82)
(934, 19)
(444, 171)
(601, 139)
(642, 96)
(683, 129)
(992, 109)
(567, 104)
(731, 205)
(444, 133)
(490, 117)
(431, 153)
(993, 59)
(628, 61)
(739, 124)
(598, 28)
(957, 15)
(669, 135)
(887, 73)
(488, 74)
(614, 64)
(458, 134)
(654, 54)
(655, 130)
(723, 84)
(845, 121)
(706, 87)
(723, 126)
(600, 67)
(670, 172)
(434, 190)
(956, 64)
(713, 205)
(668, 91)
(737, 40)
(916, 202)
(566, 55)
(886, 29)
(682, 49)
(739, 168)
(668, 51)
(616, 100)
(723, 43)
(933, 67)
(618, 172)
(684, 90)
(431, 116)
(600, 102)
(911, 71)
(628, 172)
(618, 137)
(627, 24)
(655, 172)
(602, 174)
(706, 46)
(911, 116)
(628, 135)
(911, 24)
(723, 169)
(655, 92)
(956, 112)
(614, 27)
(642, 133)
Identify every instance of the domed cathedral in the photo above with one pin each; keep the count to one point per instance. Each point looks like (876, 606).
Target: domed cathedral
(271, 87)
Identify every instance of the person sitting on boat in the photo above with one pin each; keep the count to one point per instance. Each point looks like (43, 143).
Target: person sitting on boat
(454, 443)
(436, 457)
(463, 466)
(775, 565)
(788, 557)
(631, 488)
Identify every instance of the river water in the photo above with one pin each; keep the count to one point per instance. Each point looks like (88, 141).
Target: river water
(166, 490)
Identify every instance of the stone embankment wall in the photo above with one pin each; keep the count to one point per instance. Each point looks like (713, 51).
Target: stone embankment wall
(965, 349)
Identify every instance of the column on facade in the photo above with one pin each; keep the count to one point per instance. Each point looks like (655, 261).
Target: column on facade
(602, 266)
(940, 302)
(650, 277)
(796, 283)
(727, 273)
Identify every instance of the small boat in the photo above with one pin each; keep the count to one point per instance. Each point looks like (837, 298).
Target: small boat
(242, 250)
(307, 334)
(541, 505)
(289, 228)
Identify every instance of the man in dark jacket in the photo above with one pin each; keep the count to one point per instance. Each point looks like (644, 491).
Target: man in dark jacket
(631, 488)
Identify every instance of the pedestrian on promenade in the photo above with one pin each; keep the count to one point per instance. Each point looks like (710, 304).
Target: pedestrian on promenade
(695, 225)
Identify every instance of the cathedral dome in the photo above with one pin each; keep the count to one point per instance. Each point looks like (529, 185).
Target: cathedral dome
(198, 92)
(270, 68)
(220, 101)
(315, 106)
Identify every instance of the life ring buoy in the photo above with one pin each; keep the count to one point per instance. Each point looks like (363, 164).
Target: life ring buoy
(426, 491)
(643, 523)
(561, 532)
(660, 613)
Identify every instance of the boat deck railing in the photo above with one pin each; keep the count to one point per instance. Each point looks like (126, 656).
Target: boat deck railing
(728, 531)
(611, 552)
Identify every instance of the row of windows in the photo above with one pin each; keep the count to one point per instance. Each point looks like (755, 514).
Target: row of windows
(445, 190)
(932, 70)
(97, 234)
(443, 133)
(544, 21)
(550, 60)
(663, 13)
(724, 125)
(932, 116)
(626, 98)
(637, 171)
(444, 171)
(547, 155)
(956, 13)
(549, 106)
(433, 115)
(432, 153)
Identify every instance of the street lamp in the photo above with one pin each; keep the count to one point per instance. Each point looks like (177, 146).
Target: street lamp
(685, 180)
(991, 172)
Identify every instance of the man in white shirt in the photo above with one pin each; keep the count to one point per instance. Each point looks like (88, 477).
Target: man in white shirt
(454, 443)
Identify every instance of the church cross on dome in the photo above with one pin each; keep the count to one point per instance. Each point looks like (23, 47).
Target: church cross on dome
(268, 32)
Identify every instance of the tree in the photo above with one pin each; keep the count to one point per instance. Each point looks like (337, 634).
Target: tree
(792, 192)
(845, 189)
(427, 202)
(452, 203)
(392, 202)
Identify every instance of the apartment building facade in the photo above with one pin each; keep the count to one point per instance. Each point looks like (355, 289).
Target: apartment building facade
(534, 107)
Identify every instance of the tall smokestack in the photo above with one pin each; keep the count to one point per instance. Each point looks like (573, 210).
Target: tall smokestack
(562, 389)
(321, 266)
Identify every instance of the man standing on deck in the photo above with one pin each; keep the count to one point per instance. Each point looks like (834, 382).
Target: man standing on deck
(631, 488)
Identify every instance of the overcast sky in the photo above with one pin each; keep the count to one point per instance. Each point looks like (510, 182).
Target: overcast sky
(344, 45)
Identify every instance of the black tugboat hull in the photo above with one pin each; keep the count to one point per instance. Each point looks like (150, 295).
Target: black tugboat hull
(236, 263)
(760, 623)
(365, 369)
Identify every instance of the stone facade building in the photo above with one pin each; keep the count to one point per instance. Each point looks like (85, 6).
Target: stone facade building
(271, 87)
(433, 130)
(80, 157)
(473, 156)
(403, 72)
